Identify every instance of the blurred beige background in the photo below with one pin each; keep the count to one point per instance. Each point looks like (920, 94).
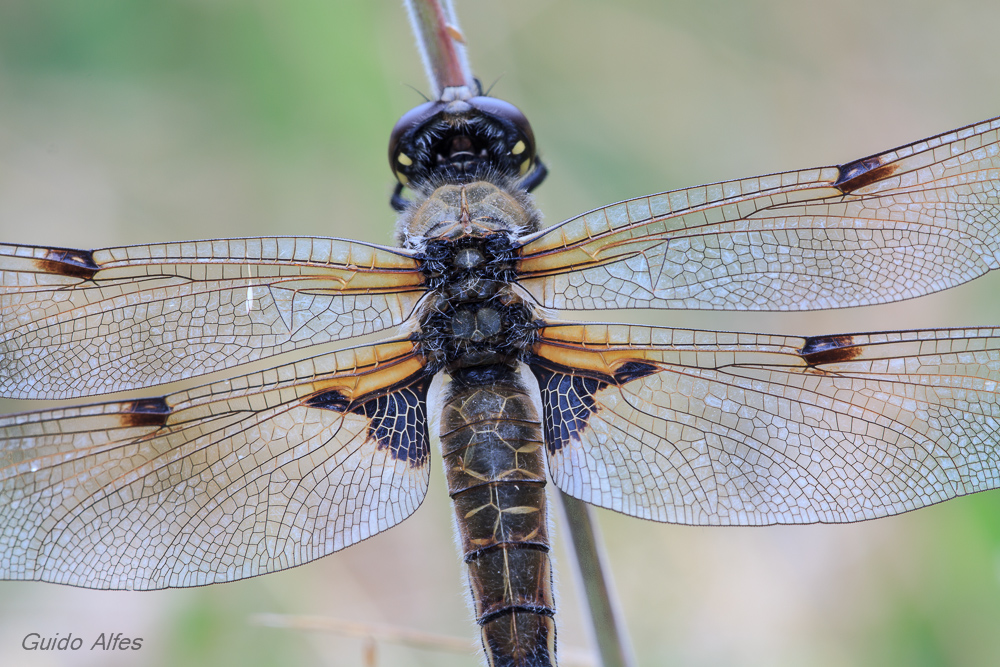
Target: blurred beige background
(124, 121)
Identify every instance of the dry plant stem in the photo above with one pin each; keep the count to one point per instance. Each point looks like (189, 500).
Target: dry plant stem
(441, 45)
(605, 616)
(378, 633)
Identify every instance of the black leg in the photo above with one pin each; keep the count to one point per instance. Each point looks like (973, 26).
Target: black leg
(397, 201)
(535, 178)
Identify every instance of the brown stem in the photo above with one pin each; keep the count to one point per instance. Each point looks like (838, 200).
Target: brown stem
(441, 45)
(605, 617)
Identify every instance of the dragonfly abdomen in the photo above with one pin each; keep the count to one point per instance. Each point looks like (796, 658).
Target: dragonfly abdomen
(494, 457)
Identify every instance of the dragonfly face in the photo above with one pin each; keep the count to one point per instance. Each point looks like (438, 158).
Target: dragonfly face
(593, 381)
(464, 138)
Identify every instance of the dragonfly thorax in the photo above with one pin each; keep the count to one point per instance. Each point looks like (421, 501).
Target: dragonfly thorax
(465, 234)
(453, 211)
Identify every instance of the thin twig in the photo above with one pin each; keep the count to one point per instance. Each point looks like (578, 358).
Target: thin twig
(441, 45)
(380, 633)
(605, 616)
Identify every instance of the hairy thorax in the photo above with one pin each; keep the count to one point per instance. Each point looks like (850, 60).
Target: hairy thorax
(473, 315)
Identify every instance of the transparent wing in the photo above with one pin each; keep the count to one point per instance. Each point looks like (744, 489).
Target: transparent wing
(223, 482)
(908, 222)
(77, 322)
(712, 428)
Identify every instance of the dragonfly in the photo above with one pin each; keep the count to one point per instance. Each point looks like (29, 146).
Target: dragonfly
(272, 469)
(666, 424)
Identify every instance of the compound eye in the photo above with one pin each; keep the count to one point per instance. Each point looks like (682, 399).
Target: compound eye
(523, 145)
(402, 133)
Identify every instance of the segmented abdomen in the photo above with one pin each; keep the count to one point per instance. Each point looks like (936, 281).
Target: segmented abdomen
(491, 442)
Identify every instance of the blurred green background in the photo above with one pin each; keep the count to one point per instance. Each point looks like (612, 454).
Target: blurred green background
(124, 121)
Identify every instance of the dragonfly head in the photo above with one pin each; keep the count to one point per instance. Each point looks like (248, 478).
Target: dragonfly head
(460, 141)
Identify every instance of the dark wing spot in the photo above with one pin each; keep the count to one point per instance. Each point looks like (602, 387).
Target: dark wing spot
(144, 412)
(633, 370)
(71, 263)
(856, 175)
(829, 349)
(329, 400)
(397, 418)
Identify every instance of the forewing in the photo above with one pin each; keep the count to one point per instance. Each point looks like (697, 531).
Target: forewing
(78, 322)
(223, 482)
(908, 222)
(711, 428)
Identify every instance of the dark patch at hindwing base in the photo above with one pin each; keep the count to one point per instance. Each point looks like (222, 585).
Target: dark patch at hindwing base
(397, 419)
(567, 403)
(568, 398)
(399, 422)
